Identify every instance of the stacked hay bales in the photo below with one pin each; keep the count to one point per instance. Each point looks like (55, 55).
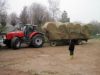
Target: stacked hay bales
(59, 31)
(85, 31)
(70, 27)
(78, 30)
(51, 31)
(71, 31)
(63, 29)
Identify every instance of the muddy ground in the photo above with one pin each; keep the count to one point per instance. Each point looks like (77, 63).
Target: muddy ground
(52, 60)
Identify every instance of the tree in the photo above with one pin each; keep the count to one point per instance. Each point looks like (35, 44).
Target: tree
(38, 14)
(13, 19)
(3, 15)
(24, 16)
(64, 17)
(2, 6)
(95, 27)
(54, 8)
(3, 19)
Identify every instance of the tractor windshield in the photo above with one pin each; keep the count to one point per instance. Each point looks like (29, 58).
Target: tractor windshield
(27, 29)
(23, 28)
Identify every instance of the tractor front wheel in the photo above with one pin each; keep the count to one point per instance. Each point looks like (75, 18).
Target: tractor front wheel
(15, 43)
(7, 43)
(37, 41)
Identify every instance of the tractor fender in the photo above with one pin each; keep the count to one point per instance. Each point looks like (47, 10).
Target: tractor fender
(35, 33)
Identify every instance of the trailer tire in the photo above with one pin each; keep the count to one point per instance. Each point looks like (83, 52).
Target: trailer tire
(79, 42)
(53, 43)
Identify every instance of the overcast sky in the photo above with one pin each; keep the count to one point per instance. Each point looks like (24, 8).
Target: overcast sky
(78, 10)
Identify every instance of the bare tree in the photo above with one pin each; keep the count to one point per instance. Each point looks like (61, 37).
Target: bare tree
(13, 19)
(3, 19)
(2, 6)
(38, 14)
(54, 8)
(24, 16)
(3, 15)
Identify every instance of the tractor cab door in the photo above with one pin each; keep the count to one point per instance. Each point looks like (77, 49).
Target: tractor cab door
(27, 30)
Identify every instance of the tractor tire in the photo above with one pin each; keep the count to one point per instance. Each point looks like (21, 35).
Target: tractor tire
(7, 43)
(37, 41)
(15, 43)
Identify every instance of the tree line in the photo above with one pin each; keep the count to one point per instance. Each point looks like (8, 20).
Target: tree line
(38, 14)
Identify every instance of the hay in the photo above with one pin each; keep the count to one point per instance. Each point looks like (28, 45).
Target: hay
(58, 31)
(50, 26)
(85, 31)
(74, 35)
(77, 28)
(70, 27)
(63, 29)
(51, 31)
(74, 30)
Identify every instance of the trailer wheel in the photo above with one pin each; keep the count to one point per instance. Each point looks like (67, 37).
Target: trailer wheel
(37, 41)
(15, 43)
(53, 43)
(79, 42)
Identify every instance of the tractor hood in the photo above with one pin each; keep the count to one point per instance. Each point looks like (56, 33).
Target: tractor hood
(10, 35)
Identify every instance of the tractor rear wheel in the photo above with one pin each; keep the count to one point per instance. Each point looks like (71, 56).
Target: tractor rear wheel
(37, 41)
(15, 43)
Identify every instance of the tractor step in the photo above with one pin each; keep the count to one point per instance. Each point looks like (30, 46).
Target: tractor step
(24, 45)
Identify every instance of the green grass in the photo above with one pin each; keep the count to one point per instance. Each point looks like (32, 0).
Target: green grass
(96, 37)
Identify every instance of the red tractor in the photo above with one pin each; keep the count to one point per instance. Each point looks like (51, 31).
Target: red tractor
(26, 34)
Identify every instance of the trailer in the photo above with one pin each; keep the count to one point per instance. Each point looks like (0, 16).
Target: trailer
(63, 33)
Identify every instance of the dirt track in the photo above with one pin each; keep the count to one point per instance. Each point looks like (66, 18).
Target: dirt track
(51, 60)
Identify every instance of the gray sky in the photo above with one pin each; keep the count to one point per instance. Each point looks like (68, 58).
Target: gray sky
(78, 10)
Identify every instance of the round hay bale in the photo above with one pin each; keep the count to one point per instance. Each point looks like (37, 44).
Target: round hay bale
(51, 31)
(50, 26)
(63, 29)
(85, 31)
(70, 27)
(77, 28)
(58, 24)
(73, 30)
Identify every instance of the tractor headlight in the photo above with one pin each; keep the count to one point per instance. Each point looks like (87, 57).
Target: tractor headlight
(4, 36)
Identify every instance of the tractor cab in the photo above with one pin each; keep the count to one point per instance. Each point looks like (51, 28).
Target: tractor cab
(28, 29)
